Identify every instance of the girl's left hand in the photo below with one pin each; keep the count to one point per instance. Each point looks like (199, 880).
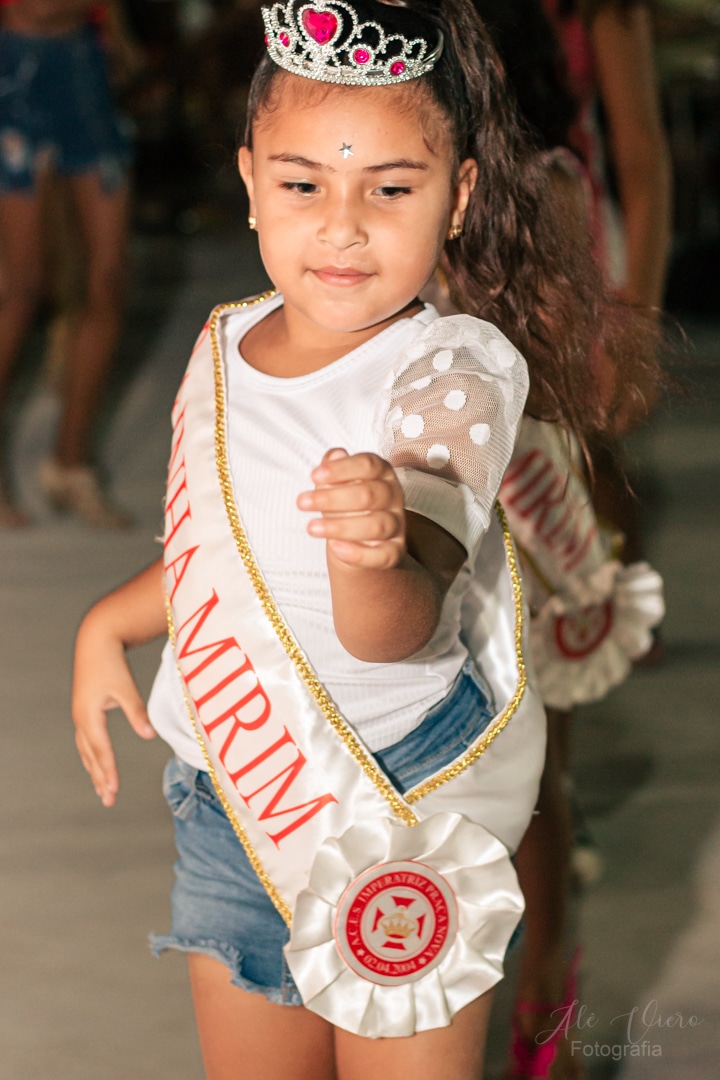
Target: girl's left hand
(363, 515)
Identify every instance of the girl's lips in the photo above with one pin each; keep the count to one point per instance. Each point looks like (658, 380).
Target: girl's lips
(344, 276)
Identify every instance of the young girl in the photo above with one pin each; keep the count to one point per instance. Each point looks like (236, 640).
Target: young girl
(346, 695)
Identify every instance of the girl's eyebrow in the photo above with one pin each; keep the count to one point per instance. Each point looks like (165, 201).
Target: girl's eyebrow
(385, 166)
(401, 163)
(303, 162)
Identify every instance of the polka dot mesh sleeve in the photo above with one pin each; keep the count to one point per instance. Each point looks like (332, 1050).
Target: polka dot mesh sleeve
(455, 405)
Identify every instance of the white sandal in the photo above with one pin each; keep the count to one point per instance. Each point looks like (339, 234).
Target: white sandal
(76, 489)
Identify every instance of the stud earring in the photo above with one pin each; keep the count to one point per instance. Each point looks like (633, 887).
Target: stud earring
(252, 223)
(454, 232)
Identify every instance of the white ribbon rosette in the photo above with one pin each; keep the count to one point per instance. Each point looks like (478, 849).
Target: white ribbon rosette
(584, 646)
(400, 927)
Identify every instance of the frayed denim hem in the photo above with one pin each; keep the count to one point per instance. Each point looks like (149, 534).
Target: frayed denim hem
(229, 956)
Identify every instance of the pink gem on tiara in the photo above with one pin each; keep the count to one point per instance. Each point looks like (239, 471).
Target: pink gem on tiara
(320, 25)
(331, 41)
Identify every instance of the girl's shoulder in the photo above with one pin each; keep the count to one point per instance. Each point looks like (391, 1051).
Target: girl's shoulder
(451, 344)
(450, 419)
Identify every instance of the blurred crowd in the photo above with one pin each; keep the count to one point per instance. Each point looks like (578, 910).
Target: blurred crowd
(181, 69)
(184, 79)
(178, 72)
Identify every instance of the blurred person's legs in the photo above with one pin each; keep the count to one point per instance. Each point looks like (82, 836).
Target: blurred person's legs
(66, 277)
(57, 112)
(95, 327)
(68, 478)
(20, 292)
(545, 995)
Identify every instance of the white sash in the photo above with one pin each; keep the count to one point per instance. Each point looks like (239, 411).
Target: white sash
(404, 948)
(592, 616)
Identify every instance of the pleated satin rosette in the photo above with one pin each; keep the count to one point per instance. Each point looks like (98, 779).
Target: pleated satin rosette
(399, 928)
(584, 646)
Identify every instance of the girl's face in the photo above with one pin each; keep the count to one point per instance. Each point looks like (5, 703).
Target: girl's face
(353, 205)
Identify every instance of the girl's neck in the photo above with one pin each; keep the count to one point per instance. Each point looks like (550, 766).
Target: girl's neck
(286, 345)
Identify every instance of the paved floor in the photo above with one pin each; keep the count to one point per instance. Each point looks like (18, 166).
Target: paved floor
(81, 997)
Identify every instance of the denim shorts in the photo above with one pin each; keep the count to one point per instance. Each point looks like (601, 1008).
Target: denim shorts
(219, 907)
(56, 108)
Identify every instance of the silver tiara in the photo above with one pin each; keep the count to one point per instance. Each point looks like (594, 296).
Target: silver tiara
(326, 41)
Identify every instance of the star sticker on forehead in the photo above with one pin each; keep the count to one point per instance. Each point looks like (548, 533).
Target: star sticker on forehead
(346, 151)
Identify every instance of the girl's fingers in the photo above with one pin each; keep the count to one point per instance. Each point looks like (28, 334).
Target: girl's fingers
(361, 501)
(380, 525)
(335, 454)
(342, 470)
(96, 754)
(354, 497)
(383, 556)
(134, 708)
(94, 745)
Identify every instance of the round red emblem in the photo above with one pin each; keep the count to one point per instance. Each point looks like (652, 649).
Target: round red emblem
(579, 633)
(395, 922)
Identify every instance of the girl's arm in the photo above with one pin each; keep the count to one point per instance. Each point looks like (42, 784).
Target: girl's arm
(131, 615)
(389, 570)
(622, 45)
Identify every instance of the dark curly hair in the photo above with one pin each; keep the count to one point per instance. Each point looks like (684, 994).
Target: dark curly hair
(517, 263)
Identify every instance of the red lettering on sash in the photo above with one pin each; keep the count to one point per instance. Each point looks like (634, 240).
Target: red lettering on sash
(284, 739)
(176, 402)
(234, 710)
(253, 709)
(524, 466)
(238, 725)
(215, 650)
(178, 434)
(246, 666)
(178, 575)
(201, 337)
(519, 465)
(575, 555)
(220, 647)
(563, 523)
(541, 496)
(549, 500)
(173, 523)
(256, 696)
(291, 773)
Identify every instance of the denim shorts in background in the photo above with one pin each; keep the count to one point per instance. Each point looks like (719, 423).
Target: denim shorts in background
(219, 907)
(57, 110)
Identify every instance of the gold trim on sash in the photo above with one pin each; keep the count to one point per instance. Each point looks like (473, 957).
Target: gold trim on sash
(401, 807)
(476, 751)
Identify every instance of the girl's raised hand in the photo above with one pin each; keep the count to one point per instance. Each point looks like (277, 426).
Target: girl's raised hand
(102, 680)
(363, 515)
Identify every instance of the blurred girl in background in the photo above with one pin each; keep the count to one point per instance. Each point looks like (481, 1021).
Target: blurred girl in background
(57, 117)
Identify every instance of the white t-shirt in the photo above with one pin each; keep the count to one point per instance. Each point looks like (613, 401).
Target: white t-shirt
(441, 399)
